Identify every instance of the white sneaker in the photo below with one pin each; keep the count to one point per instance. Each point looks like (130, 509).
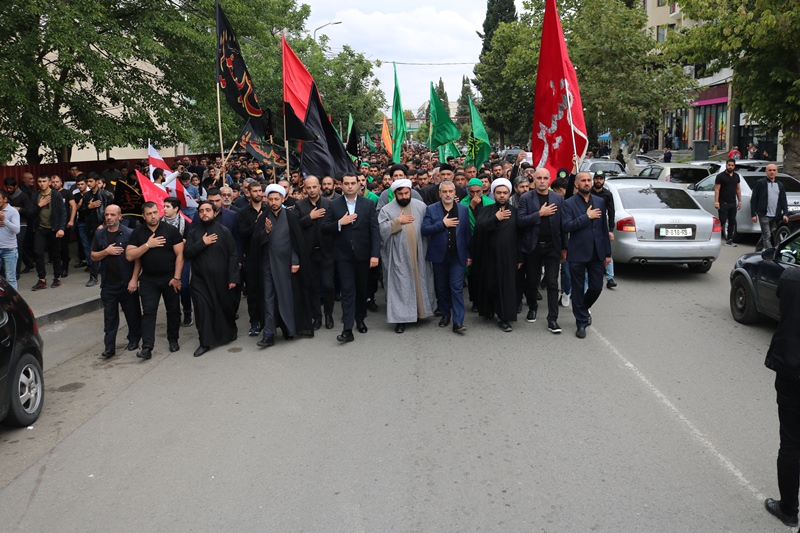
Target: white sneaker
(565, 298)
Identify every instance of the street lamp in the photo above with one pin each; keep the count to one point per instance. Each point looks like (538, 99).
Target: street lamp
(328, 24)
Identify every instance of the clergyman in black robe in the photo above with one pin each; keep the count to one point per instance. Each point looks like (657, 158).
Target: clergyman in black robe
(496, 258)
(215, 273)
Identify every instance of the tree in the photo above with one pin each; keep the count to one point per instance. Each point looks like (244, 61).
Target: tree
(408, 114)
(442, 94)
(421, 135)
(497, 12)
(761, 43)
(463, 101)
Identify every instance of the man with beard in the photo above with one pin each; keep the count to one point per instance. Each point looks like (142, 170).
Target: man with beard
(327, 186)
(496, 258)
(599, 189)
(583, 217)
(542, 243)
(248, 217)
(311, 210)
(352, 222)
(278, 253)
(403, 253)
(215, 272)
(397, 172)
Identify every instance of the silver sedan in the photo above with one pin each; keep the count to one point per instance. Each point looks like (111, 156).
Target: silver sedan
(659, 222)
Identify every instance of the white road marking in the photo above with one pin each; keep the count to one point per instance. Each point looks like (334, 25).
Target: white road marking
(696, 433)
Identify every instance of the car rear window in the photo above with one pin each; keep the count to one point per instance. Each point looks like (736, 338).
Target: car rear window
(687, 175)
(656, 198)
(610, 166)
(789, 183)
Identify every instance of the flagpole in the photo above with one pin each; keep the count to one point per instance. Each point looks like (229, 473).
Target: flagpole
(571, 127)
(219, 122)
(225, 161)
(286, 146)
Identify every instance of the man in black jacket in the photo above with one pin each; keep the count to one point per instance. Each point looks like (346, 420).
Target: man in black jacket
(599, 189)
(50, 219)
(767, 203)
(352, 221)
(247, 226)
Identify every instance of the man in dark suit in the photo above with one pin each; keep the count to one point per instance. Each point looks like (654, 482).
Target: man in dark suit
(583, 217)
(352, 221)
(542, 243)
(768, 204)
(311, 210)
(447, 224)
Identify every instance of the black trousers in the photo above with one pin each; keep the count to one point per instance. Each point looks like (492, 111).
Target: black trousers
(63, 247)
(547, 255)
(374, 278)
(788, 392)
(254, 298)
(354, 275)
(727, 213)
(113, 297)
(94, 268)
(582, 302)
(23, 230)
(323, 277)
(151, 291)
(44, 240)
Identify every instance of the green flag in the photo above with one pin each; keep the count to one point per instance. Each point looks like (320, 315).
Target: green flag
(478, 147)
(399, 120)
(370, 144)
(446, 150)
(442, 129)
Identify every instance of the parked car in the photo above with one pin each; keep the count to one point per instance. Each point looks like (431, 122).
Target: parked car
(757, 165)
(510, 155)
(754, 280)
(641, 161)
(784, 229)
(714, 167)
(611, 167)
(21, 351)
(659, 222)
(679, 173)
(703, 192)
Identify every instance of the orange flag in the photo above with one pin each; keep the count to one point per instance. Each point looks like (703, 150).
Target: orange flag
(386, 136)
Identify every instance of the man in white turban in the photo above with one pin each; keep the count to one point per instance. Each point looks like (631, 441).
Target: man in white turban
(403, 252)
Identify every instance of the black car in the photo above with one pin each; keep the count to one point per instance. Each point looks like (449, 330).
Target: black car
(21, 377)
(784, 229)
(754, 280)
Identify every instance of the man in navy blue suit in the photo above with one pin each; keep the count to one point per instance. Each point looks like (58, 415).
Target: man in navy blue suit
(583, 217)
(447, 224)
(542, 243)
(352, 221)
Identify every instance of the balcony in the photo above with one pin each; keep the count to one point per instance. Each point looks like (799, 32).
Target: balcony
(675, 10)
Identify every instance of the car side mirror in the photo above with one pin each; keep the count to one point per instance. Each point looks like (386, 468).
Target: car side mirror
(769, 253)
(692, 186)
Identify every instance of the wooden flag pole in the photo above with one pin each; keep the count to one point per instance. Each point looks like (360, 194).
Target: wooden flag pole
(286, 146)
(225, 161)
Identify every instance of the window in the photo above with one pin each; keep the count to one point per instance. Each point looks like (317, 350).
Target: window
(661, 34)
(656, 198)
(706, 185)
(790, 252)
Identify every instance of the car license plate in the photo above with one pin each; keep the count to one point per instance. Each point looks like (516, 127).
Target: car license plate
(675, 232)
(794, 208)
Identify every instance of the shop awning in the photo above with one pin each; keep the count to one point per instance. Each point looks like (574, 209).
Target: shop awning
(711, 101)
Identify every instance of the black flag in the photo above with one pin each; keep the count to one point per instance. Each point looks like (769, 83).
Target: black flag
(265, 153)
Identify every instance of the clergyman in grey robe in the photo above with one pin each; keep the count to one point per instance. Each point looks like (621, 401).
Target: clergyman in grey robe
(278, 256)
(408, 278)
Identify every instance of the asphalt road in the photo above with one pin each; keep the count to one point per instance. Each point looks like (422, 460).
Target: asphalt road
(662, 419)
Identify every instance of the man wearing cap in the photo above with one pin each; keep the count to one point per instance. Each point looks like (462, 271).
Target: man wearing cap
(599, 189)
(403, 253)
(495, 251)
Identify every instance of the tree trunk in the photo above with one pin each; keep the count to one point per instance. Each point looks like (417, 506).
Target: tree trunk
(65, 154)
(630, 152)
(791, 149)
(502, 140)
(32, 156)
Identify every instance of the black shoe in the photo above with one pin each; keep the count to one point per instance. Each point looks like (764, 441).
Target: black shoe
(288, 337)
(436, 311)
(538, 295)
(187, 321)
(444, 322)
(361, 327)
(144, 353)
(201, 350)
(459, 328)
(132, 346)
(108, 353)
(519, 307)
(474, 308)
(174, 346)
(553, 326)
(372, 306)
(41, 284)
(531, 315)
(317, 323)
(505, 326)
(610, 284)
(589, 322)
(56, 283)
(87, 269)
(92, 281)
(581, 333)
(338, 297)
(267, 340)
(81, 264)
(64, 273)
(255, 329)
(399, 328)
(26, 270)
(328, 321)
(346, 336)
(773, 507)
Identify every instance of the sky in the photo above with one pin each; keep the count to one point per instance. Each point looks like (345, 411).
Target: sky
(410, 31)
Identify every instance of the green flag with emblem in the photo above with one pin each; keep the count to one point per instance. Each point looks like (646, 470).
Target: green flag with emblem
(478, 147)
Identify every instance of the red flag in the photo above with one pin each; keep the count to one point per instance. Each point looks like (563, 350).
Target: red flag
(297, 81)
(175, 188)
(152, 192)
(559, 130)
(155, 160)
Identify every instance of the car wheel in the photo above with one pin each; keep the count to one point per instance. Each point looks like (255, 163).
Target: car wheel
(27, 393)
(743, 302)
(700, 268)
(780, 234)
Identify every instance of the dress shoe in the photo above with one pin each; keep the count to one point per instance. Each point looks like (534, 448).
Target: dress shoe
(132, 346)
(773, 507)
(317, 323)
(399, 328)
(338, 296)
(459, 328)
(144, 353)
(372, 306)
(531, 315)
(610, 284)
(589, 322)
(92, 281)
(64, 273)
(519, 307)
(474, 308)
(174, 346)
(581, 333)
(346, 336)
(553, 326)
(26, 270)
(436, 312)
(361, 327)
(288, 337)
(255, 329)
(328, 321)
(505, 326)
(201, 350)
(108, 353)
(538, 295)
(444, 322)
(267, 340)
(80, 264)
(187, 321)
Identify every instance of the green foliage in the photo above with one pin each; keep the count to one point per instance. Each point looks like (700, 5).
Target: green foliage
(442, 94)
(421, 135)
(408, 114)
(463, 101)
(497, 12)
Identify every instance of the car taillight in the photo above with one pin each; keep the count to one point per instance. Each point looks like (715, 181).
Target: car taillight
(626, 224)
(717, 226)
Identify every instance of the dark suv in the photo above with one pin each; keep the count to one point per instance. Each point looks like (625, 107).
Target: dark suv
(21, 377)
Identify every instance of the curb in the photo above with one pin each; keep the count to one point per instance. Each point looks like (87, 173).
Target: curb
(70, 311)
